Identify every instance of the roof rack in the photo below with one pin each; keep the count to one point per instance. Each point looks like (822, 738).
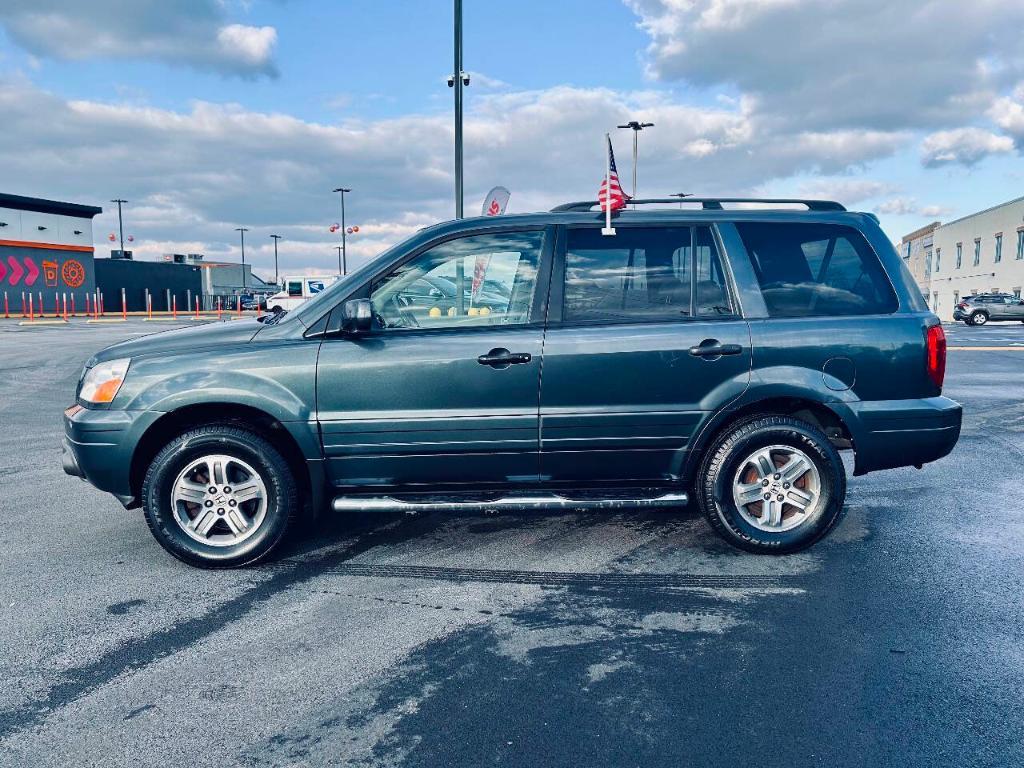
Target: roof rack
(712, 203)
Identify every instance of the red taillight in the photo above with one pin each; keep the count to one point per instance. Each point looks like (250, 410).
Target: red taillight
(936, 355)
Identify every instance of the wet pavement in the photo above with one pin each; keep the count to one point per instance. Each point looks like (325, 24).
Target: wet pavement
(599, 639)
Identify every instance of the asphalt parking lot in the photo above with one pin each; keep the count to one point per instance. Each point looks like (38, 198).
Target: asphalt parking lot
(544, 640)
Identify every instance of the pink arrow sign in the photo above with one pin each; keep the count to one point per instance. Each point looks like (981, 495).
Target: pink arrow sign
(16, 270)
(3, 271)
(33, 271)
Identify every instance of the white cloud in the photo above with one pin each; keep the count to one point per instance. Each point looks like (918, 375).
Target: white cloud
(193, 176)
(963, 146)
(824, 64)
(180, 32)
(1008, 114)
(908, 206)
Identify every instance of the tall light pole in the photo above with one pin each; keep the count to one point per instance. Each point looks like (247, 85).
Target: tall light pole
(277, 280)
(636, 127)
(241, 231)
(120, 222)
(343, 254)
(458, 79)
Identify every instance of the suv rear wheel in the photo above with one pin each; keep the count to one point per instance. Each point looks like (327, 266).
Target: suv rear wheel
(774, 484)
(978, 318)
(219, 496)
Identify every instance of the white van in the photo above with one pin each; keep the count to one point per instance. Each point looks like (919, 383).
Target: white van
(296, 290)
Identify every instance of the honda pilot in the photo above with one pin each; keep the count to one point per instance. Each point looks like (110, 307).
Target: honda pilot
(698, 352)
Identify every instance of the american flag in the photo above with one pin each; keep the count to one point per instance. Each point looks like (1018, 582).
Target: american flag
(610, 193)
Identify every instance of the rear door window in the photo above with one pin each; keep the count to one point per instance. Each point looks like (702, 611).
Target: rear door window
(644, 274)
(814, 270)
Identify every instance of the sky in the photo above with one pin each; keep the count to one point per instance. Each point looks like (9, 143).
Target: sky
(207, 115)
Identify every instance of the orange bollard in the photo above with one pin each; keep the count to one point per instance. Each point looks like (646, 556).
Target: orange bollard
(24, 306)
(31, 311)
(6, 312)
(72, 303)
(65, 307)
(174, 305)
(124, 307)
(239, 306)
(149, 305)
(96, 306)
(197, 307)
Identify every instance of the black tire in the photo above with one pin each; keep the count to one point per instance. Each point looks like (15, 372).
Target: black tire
(979, 318)
(725, 458)
(282, 502)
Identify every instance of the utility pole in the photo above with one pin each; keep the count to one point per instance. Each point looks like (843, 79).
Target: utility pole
(458, 79)
(241, 231)
(342, 262)
(343, 254)
(636, 127)
(277, 280)
(120, 222)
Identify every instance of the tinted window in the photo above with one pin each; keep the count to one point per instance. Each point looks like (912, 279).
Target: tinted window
(808, 270)
(644, 274)
(294, 288)
(497, 273)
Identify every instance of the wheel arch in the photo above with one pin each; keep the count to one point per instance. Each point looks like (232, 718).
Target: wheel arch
(176, 422)
(814, 412)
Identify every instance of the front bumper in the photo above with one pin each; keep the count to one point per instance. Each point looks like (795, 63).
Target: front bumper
(98, 446)
(903, 433)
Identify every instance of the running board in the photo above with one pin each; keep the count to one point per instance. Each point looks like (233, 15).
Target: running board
(507, 504)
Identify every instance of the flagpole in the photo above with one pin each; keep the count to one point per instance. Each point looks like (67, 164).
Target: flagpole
(608, 228)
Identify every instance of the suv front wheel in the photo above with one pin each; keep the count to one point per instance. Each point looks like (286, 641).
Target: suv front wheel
(774, 484)
(219, 496)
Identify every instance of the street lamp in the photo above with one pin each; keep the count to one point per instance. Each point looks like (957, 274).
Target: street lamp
(343, 253)
(457, 80)
(241, 231)
(636, 127)
(277, 280)
(120, 222)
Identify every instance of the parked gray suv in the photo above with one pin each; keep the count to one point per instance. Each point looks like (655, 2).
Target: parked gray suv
(713, 354)
(989, 307)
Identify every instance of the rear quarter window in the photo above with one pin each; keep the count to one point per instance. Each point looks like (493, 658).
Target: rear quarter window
(816, 270)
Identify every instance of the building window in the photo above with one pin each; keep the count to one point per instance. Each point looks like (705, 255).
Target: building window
(999, 247)
(928, 262)
(977, 251)
(938, 259)
(906, 251)
(1020, 244)
(959, 255)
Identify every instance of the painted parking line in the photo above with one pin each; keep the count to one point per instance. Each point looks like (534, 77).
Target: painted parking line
(1018, 348)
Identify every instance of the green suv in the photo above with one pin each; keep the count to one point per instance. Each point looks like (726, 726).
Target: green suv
(702, 353)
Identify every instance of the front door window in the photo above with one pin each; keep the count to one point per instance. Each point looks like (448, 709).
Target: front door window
(482, 280)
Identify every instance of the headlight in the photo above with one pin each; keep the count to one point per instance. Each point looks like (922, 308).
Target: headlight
(101, 382)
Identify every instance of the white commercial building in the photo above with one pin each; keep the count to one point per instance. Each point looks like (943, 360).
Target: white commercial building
(980, 253)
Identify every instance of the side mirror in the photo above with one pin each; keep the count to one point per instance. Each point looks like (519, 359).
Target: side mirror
(357, 316)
